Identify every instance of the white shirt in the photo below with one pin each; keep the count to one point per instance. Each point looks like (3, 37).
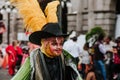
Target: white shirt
(85, 57)
(102, 48)
(72, 47)
(109, 46)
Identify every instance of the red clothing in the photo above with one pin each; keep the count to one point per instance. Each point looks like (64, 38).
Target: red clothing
(18, 52)
(12, 57)
(5, 61)
(116, 58)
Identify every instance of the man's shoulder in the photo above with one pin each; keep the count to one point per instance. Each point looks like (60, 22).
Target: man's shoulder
(34, 51)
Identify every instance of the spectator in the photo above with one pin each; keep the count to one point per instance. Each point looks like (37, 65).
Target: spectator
(109, 43)
(19, 54)
(74, 51)
(85, 59)
(98, 56)
(116, 60)
(72, 47)
(90, 73)
(25, 55)
(12, 51)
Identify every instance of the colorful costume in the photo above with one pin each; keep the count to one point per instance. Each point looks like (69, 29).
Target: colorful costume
(42, 20)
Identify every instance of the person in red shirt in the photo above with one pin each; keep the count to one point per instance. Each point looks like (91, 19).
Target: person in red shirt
(116, 62)
(12, 51)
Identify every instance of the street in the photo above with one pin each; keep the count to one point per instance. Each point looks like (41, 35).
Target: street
(4, 74)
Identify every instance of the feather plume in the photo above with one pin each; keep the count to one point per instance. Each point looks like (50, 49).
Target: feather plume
(32, 14)
(51, 11)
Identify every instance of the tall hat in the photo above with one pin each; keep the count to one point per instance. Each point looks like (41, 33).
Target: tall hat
(42, 23)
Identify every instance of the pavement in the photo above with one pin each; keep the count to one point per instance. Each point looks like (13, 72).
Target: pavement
(4, 74)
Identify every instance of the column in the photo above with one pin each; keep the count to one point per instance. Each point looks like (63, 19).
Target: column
(79, 17)
(117, 30)
(90, 14)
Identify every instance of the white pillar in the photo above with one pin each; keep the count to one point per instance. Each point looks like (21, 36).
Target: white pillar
(79, 17)
(91, 19)
(117, 30)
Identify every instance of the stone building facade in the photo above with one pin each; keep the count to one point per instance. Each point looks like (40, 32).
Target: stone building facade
(12, 20)
(82, 16)
(86, 14)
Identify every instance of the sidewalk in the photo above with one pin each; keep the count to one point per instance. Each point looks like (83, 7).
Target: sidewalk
(4, 74)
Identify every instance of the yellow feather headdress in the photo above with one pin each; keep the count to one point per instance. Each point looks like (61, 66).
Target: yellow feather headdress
(32, 14)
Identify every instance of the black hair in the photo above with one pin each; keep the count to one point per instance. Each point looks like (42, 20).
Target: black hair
(74, 38)
(101, 37)
(109, 37)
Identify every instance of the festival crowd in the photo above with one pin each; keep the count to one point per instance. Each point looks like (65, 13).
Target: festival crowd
(98, 62)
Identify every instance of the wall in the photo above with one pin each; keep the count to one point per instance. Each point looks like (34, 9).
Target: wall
(91, 13)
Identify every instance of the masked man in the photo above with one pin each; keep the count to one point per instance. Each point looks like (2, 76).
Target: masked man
(45, 62)
(42, 20)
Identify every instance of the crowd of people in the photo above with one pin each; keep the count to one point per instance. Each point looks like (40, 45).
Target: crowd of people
(14, 55)
(99, 62)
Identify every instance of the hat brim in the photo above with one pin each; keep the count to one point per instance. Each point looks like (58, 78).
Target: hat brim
(36, 37)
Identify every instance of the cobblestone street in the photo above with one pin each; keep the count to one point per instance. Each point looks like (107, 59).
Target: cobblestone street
(4, 74)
